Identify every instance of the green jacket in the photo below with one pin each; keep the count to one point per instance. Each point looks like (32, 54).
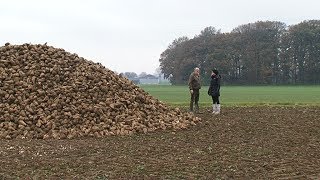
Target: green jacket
(194, 82)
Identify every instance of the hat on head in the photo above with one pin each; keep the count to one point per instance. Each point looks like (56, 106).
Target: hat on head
(215, 71)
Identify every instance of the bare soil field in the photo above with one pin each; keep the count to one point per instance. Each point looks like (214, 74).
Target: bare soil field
(240, 143)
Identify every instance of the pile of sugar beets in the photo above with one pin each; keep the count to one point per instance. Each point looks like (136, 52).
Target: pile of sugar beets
(48, 93)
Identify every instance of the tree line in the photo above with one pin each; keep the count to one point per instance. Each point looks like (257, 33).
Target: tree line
(264, 52)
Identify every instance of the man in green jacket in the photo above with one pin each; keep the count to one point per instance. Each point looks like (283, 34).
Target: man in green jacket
(194, 86)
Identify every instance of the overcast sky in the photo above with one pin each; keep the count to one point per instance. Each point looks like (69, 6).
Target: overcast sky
(130, 35)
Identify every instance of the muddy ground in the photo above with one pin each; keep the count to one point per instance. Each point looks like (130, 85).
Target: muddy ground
(241, 143)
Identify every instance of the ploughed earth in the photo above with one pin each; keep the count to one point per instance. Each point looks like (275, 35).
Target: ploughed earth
(240, 143)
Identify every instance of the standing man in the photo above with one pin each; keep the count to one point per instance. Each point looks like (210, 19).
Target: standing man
(194, 86)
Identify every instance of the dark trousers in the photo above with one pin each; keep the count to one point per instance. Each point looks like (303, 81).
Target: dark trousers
(215, 99)
(194, 100)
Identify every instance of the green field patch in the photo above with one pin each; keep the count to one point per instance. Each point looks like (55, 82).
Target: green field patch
(240, 95)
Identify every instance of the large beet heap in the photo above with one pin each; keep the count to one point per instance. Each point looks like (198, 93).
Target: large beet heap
(47, 92)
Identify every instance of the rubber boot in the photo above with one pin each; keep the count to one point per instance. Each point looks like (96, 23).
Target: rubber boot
(214, 108)
(218, 107)
(191, 106)
(197, 108)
